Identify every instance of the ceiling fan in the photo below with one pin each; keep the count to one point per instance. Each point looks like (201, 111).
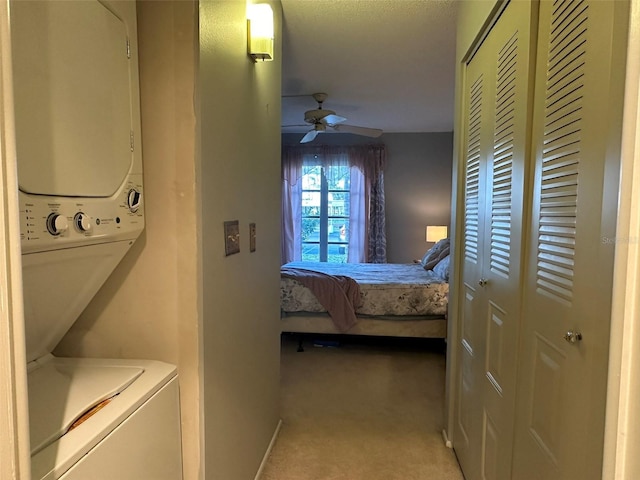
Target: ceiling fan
(321, 119)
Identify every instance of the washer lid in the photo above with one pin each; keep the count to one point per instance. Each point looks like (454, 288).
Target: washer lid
(60, 394)
(136, 399)
(72, 91)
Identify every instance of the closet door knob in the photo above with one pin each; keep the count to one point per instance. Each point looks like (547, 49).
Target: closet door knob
(572, 337)
(482, 282)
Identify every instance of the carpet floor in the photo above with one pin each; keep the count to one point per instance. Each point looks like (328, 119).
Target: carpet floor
(362, 410)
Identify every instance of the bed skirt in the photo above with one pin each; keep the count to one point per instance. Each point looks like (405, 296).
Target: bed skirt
(416, 327)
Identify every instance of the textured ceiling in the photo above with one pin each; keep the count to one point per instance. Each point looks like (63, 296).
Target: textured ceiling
(385, 64)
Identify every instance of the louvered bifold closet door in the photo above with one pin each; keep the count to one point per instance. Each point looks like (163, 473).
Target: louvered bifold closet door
(468, 408)
(496, 139)
(562, 381)
(505, 213)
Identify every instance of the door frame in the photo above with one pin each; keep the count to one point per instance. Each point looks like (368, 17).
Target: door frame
(622, 429)
(14, 446)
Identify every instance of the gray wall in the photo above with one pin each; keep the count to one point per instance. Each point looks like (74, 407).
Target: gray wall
(240, 180)
(418, 190)
(417, 185)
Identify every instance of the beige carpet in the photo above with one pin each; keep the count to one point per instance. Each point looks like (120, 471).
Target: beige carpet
(359, 412)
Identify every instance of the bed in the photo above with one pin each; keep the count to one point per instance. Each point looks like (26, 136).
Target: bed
(396, 300)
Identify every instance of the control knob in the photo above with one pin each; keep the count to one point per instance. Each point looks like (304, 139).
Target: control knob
(82, 222)
(57, 224)
(134, 198)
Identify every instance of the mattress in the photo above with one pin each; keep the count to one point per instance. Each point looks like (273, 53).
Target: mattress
(385, 289)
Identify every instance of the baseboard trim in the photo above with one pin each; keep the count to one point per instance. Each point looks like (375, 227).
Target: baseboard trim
(268, 452)
(445, 437)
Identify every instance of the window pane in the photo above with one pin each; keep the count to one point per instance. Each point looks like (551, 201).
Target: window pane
(338, 230)
(337, 253)
(309, 212)
(311, 177)
(338, 177)
(338, 204)
(310, 229)
(311, 199)
(310, 252)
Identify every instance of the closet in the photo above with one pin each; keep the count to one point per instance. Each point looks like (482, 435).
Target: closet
(542, 109)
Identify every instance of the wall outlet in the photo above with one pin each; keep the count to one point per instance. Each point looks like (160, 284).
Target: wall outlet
(231, 237)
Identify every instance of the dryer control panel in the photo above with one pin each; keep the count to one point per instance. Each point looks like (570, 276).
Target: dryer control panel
(48, 223)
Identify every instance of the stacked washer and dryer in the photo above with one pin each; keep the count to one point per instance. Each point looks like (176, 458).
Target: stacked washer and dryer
(80, 194)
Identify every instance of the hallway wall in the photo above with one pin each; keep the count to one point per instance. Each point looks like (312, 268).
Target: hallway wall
(240, 164)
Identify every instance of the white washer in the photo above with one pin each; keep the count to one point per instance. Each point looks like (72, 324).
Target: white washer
(80, 178)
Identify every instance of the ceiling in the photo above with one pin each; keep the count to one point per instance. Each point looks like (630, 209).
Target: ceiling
(386, 64)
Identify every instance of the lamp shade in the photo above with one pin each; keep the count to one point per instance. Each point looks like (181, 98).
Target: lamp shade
(435, 233)
(260, 32)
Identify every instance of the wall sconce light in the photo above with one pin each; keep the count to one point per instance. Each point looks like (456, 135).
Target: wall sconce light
(435, 233)
(260, 32)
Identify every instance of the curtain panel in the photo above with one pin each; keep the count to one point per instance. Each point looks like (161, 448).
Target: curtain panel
(367, 241)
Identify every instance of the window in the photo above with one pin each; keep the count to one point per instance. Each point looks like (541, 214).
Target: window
(333, 204)
(325, 213)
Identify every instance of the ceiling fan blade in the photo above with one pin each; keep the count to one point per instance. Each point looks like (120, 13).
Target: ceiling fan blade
(311, 134)
(367, 132)
(299, 125)
(333, 119)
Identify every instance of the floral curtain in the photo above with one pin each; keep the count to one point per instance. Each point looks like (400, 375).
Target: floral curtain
(367, 241)
(376, 234)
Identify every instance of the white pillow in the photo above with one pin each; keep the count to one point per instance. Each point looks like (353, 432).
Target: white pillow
(435, 254)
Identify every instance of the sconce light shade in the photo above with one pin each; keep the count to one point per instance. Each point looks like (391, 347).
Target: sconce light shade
(435, 233)
(260, 32)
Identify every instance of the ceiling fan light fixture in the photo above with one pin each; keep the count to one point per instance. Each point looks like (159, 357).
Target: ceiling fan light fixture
(260, 32)
(313, 116)
(320, 119)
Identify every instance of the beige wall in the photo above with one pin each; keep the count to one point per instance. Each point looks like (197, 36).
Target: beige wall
(240, 162)
(149, 306)
(175, 296)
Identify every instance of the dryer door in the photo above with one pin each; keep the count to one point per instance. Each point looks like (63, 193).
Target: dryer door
(72, 96)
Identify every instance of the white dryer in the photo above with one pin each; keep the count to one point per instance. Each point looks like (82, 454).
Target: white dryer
(81, 208)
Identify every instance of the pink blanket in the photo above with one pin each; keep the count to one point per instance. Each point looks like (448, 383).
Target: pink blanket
(338, 294)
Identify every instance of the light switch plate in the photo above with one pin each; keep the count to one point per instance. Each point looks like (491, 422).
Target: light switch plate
(231, 237)
(252, 237)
